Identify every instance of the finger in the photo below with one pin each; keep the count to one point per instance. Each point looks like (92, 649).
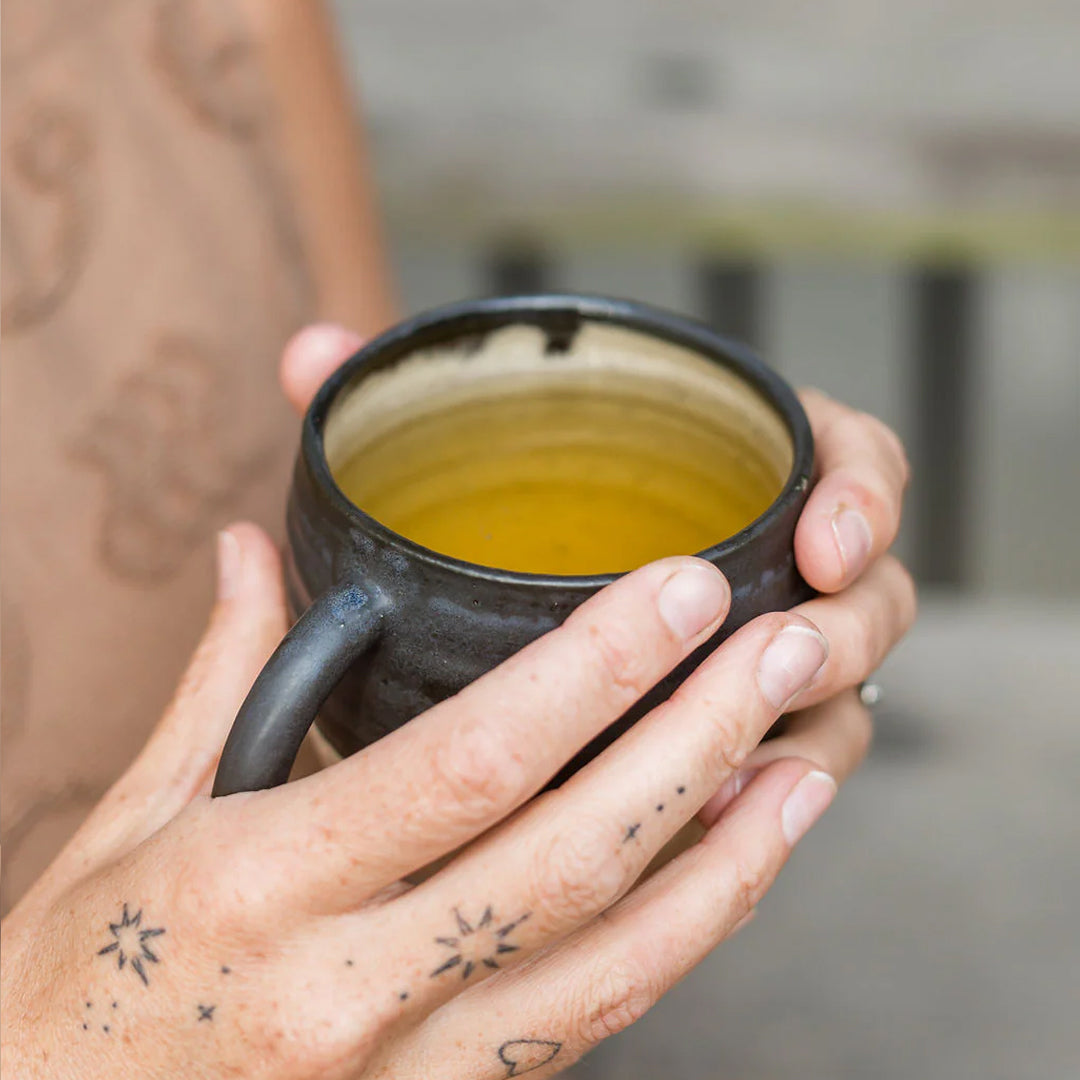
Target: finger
(608, 974)
(862, 624)
(563, 861)
(853, 512)
(245, 626)
(834, 736)
(453, 773)
(311, 356)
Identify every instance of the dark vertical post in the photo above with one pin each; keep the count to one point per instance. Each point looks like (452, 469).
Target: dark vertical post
(729, 297)
(517, 266)
(943, 313)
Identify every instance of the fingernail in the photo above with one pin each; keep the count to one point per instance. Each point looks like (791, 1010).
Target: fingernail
(792, 659)
(229, 563)
(692, 599)
(806, 802)
(853, 540)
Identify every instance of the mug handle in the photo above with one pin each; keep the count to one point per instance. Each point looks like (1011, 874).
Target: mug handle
(281, 705)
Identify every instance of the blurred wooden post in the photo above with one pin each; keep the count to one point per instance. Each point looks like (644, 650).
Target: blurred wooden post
(943, 314)
(730, 297)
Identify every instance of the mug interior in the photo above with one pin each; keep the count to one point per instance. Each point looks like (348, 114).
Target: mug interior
(384, 409)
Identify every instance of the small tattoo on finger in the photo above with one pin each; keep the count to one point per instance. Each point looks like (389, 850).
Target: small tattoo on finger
(477, 945)
(521, 1056)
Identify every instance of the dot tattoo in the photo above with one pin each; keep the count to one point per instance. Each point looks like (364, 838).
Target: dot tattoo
(680, 790)
(130, 944)
(659, 807)
(521, 1056)
(479, 944)
(403, 996)
(225, 969)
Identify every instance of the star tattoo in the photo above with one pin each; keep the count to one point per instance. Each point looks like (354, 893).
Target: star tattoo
(130, 943)
(479, 944)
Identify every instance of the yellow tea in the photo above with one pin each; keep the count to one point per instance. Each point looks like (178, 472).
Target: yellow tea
(592, 461)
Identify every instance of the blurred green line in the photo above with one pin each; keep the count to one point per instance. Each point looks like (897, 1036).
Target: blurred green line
(751, 229)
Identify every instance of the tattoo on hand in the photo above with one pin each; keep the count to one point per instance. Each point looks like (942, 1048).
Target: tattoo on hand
(479, 944)
(206, 1012)
(129, 943)
(104, 1027)
(631, 832)
(521, 1056)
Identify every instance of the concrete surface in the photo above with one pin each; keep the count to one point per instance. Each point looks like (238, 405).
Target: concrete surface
(928, 927)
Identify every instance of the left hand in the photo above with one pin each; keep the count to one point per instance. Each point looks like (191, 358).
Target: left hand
(841, 545)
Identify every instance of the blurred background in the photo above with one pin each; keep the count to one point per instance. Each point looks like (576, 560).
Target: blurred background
(883, 199)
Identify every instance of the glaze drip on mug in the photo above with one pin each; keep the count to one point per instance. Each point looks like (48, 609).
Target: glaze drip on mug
(596, 459)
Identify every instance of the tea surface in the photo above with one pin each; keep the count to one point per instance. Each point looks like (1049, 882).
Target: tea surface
(571, 480)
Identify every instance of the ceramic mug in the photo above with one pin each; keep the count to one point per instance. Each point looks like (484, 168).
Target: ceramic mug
(386, 628)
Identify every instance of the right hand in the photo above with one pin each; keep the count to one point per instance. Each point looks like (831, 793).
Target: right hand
(271, 934)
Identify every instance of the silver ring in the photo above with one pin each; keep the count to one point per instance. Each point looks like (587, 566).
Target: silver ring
(871, 694)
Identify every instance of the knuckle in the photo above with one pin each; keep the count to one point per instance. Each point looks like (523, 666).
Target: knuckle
(620, 657)
(577, 875)
(728, 747)
(748, 885)
(865, 639)
(889, 442)
(897, 601)
(896, 449)
(298, 1038)
(617, 998)
(907, 596)
(239, 902)
(473, 776)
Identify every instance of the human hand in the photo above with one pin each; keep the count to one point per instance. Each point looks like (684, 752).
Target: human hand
(270, 934)
(841, 548)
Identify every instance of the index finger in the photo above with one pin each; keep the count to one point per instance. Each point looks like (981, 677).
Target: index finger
(311, 356)
(853, 513)
(464, 765)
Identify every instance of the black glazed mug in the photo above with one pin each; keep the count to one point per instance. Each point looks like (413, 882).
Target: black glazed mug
(386, 628)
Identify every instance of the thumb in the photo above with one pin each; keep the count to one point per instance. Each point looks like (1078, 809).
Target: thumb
(248, 621)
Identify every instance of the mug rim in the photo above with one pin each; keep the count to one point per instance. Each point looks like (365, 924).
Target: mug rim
(451, 321)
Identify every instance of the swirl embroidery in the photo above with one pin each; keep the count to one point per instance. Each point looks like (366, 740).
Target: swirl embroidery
(163, 446)
(49, 208)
